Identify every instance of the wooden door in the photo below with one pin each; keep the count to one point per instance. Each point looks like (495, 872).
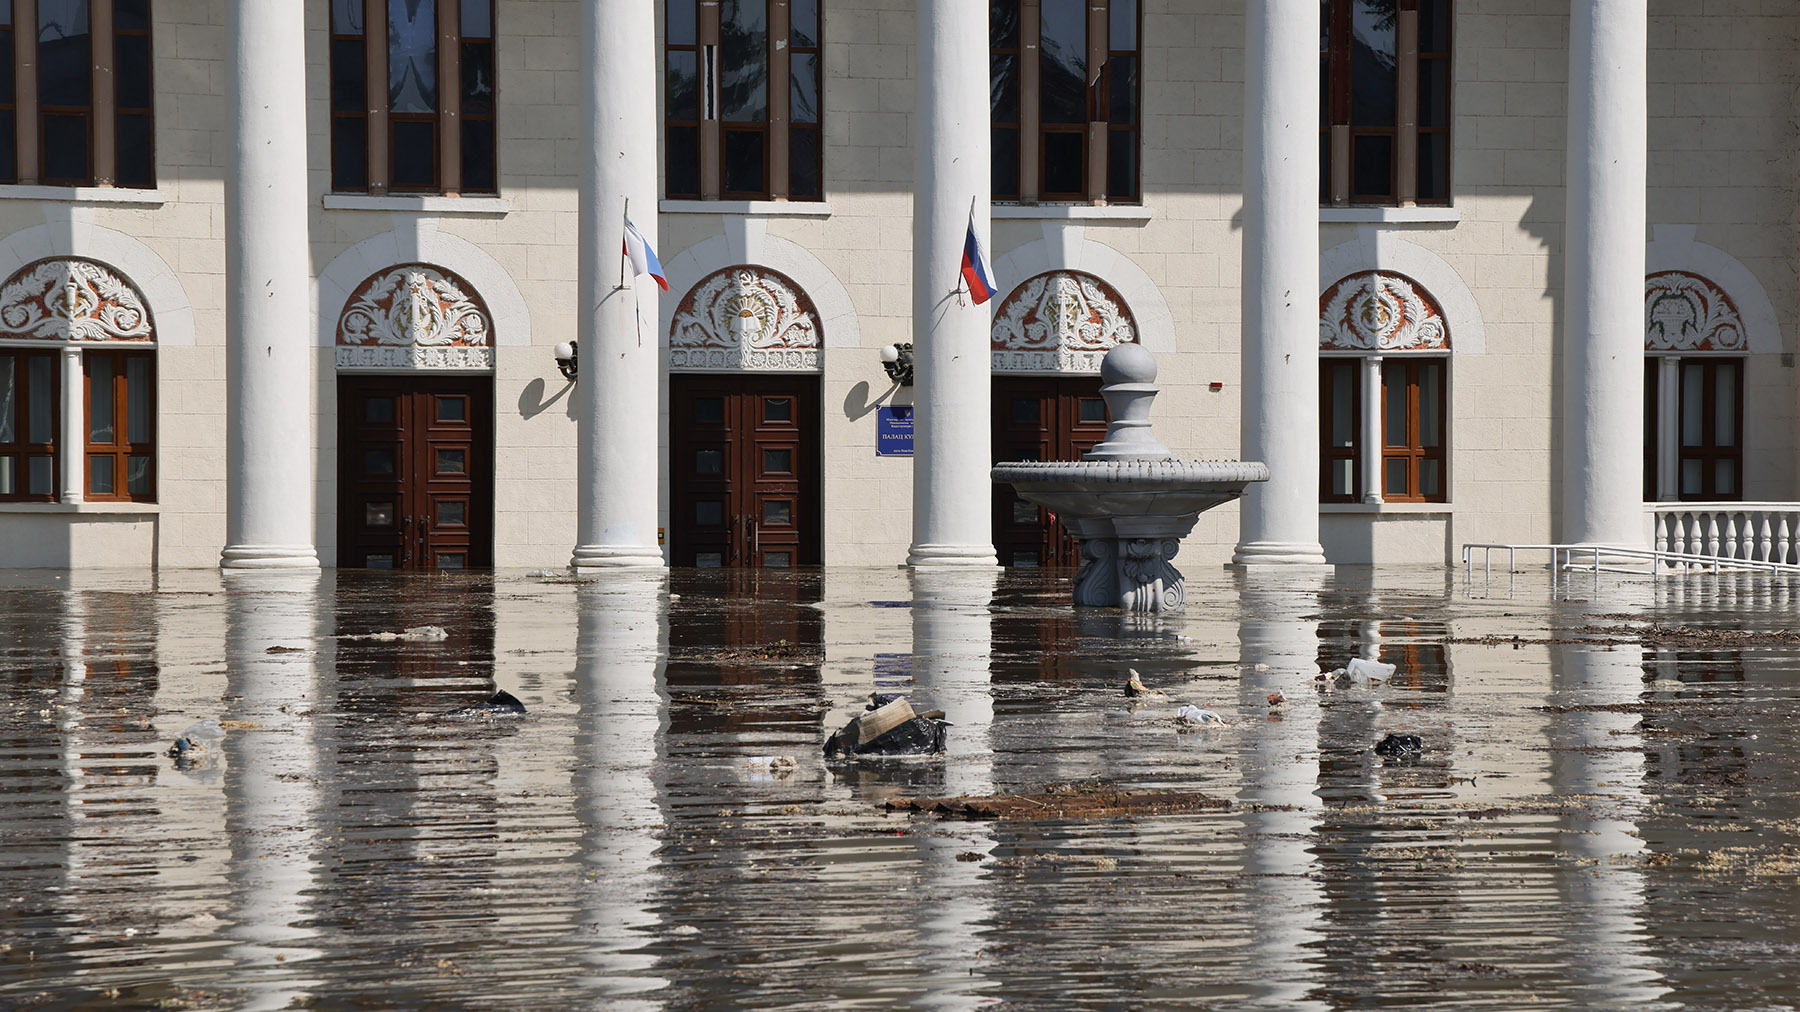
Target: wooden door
(415, 472)
(745, 471)
(1040, 418)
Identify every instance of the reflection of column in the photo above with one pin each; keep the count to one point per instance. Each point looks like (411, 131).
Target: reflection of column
(1277, 652)
(1279, 518)
(1598, 755)
(1603, 345)
(272, 804)
(952, 519)
(952, 649)
(622, 638)
(268, 377)
(617, 473)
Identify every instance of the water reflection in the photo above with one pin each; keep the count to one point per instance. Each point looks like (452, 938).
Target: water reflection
(272, 796)
(622, 638)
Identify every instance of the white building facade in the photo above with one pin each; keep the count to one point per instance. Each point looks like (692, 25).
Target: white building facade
(282, 286)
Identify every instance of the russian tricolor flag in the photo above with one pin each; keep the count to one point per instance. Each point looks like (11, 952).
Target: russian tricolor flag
(976, 269)
(642, 257)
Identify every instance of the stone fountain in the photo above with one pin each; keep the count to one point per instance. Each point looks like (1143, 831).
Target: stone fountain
(1128, 500)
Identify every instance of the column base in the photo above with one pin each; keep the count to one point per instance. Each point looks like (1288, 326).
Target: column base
(952, 556)
(618, 557)
(269, 557)
(1279, 553)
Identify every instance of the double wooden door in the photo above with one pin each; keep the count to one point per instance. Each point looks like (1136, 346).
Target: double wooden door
(1040, 418)
(744, 471)
(415, 472)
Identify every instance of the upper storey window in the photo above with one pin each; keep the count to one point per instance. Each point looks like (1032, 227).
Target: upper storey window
(75, 96)
(1385, 73)
(1063, 87)
(743, 100)
(428, 127)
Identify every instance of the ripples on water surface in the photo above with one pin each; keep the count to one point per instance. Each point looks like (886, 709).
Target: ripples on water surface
(1604, 816)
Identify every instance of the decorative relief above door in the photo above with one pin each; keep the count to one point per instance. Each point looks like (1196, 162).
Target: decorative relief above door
(72, 299)
(1686, 312)
(1380, 311)
(1062, 321)
(745, 319)
(415, 317)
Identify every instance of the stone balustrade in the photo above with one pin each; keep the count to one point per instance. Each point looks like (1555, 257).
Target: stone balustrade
(1752, 531)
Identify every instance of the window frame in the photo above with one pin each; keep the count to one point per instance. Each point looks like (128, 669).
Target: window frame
(121, 448)
(371, 105)
(1371, 394)
(1410, 447)
(1665, 409)
(712, 130)
(23, 119)
(1338, 132)
(20, 449)
(1028, 182)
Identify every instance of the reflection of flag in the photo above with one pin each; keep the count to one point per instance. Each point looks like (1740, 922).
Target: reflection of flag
(976, 269)
(642, 257)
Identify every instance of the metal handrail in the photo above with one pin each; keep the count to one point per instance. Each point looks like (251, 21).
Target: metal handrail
(1562, 559)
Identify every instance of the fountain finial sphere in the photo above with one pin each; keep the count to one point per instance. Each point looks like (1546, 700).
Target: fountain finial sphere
(1127, 363)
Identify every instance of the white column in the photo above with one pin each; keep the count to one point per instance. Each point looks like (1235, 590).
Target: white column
(1278, 520)
(616, 444)
(74, 428)
(952, 494)
(1371, 429)
(268, 368)
(1668, 430)
(1603, 340)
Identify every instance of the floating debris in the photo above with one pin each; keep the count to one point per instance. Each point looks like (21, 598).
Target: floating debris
(1400, 746)
(1068, 801)
(499, 705)
(1193, 716)
(1135, 688)
(889, 727)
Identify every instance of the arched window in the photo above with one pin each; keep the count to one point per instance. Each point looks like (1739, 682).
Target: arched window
(1384, 375)
(1694, 347)
(1385, 66)
(77, 386)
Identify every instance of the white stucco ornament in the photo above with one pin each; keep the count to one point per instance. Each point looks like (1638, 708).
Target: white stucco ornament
(416, 317)
(1686, 312)
(1062, 321)
(1380, 311)
(749, 318)
(72, 300)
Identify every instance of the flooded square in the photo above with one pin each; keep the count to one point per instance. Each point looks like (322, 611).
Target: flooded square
(1603, 813)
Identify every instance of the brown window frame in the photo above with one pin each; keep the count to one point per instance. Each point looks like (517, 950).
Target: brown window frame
(1029, 184)
(19, 449)
(778, 130)
(1329, 454)
(448, 125)
(1708, 452)
(24, 117)
(121, 448)
(1409, 446)
(1338, 134)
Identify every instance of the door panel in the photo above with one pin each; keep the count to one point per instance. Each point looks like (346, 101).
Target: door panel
(745, 471)
(415, 472)
(1040, 418)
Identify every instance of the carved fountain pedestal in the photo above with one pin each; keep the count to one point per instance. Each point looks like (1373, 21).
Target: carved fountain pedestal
(1128, 500)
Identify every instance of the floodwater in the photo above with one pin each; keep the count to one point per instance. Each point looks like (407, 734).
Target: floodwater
(1605, 814)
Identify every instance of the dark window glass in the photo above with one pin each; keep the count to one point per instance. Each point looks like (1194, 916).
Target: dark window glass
(100, 475)
(1434, 26)
(1434, 93)
(452, 409)
(349, 154)
(65, 148)
(1434, 167)
(347, 75)
(100, 398)
(9, 156)
(778, 409)
(412, 56)
(1003, 87)
(1065, 159)
(1372, 63)
(40, 395)
(378, 409)
(1005, 142)
(414, 154)
(1121, 24)
(1003, 24)
(131, 70)
(478, 150)
(1025, 409)
(65, 55)
(347, 17)
(682, 99)
(709, 513)
(477, 66)
(137, 475)
(1092, 409)
(805, 171)
(1394, 403)
(743, 64)
(709, 461)
(803, 19)
(683, 165)
(778, 513)
(1121, 90)
(682, 26)
(477, 20)
(709, 409)
(1063, 62)
(1121, 165)
(452, 514)
(803, 88)
(744, 162)
(378, 462)
(378, 514)
(1372, 166)
(778, 462)
(131, 15)
(9, 396)
(452, 461)
(136, 153)
(7, 91)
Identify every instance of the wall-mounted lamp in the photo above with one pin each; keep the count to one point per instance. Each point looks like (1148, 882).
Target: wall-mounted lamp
(897, 359)
(566, 359)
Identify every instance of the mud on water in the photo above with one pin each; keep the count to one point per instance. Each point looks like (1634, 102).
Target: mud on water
(1604, 813)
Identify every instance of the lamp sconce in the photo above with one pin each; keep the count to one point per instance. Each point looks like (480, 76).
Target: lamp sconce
(897, 359)
(567, 359)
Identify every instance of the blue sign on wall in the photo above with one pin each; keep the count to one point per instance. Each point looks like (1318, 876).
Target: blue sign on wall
(893, 431)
